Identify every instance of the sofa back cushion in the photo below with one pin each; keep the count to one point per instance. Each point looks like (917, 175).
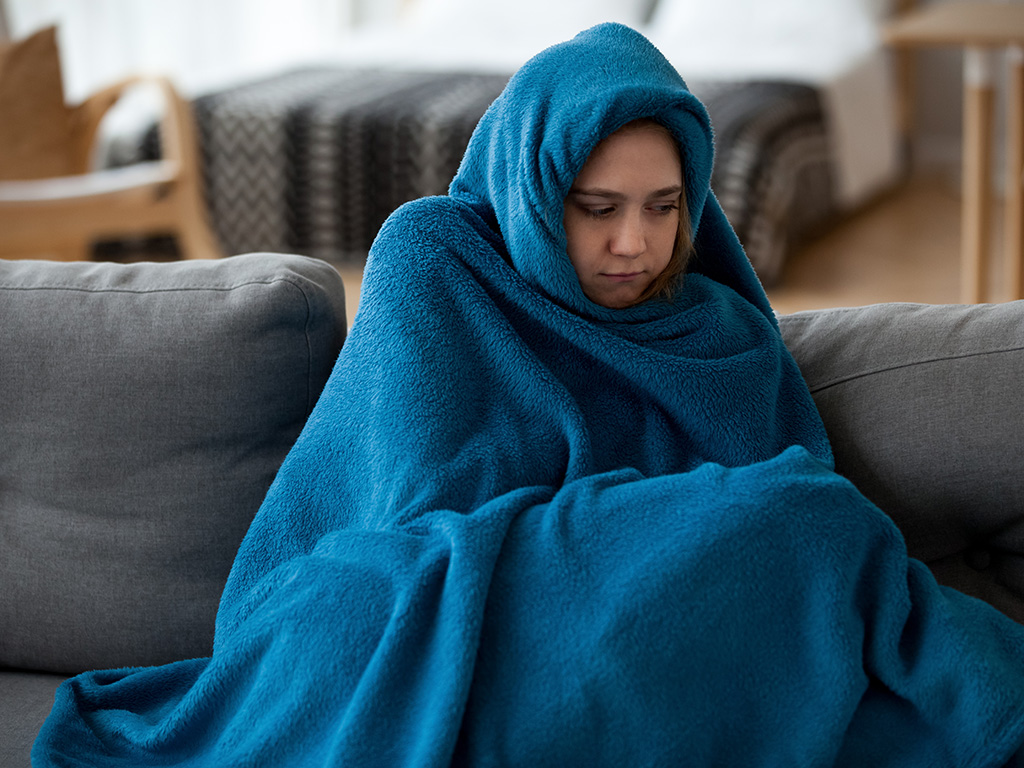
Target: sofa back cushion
(144, 411)
(923, 406)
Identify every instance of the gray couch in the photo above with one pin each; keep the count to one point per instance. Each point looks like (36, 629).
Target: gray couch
(144, 410)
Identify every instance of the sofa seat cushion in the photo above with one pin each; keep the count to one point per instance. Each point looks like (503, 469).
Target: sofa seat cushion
(922, 404)
(25, 702)
(144, 411)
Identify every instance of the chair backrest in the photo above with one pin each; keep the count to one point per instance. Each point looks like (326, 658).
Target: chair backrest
(35, 132)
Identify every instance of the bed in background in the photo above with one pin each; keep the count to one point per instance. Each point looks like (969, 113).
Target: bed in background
(312, 161)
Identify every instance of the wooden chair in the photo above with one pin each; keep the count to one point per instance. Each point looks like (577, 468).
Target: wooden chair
(52, 203)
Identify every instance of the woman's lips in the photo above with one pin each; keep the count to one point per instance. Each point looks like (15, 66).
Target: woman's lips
(623, 277)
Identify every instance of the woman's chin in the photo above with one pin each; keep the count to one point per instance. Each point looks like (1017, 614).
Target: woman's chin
(615, 299)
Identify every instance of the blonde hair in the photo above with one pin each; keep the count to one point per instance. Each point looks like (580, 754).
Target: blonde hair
(664, 284)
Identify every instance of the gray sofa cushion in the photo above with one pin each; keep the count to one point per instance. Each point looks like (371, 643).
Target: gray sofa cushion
(25, 701)
(924, 409)
(144, 410)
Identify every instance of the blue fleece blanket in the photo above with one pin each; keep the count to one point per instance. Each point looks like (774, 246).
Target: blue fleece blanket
(524, 529)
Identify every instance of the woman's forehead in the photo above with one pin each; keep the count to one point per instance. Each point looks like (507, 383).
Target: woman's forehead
(631, 157)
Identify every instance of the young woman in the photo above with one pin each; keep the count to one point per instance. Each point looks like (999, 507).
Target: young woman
(565, 502)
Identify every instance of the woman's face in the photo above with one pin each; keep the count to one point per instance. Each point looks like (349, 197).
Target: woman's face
(622, 214)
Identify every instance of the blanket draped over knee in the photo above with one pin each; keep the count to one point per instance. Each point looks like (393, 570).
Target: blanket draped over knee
(523, 529)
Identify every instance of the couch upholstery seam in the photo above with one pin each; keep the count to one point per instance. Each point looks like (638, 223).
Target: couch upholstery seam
(309, 343)
(142, 291)
(925, 361)
(812, 315)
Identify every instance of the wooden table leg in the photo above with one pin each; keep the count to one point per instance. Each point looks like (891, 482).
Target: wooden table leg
(977, 181)
(1013, 227)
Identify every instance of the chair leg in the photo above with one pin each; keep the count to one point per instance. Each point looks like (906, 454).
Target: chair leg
(196, 242)
(195, 238)
(80, 251)
(65, 252)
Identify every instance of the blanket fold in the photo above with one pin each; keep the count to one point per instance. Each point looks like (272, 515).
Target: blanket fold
(523, 529)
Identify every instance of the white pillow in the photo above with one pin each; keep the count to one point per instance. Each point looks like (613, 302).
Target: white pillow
(747, 13)
(782, 38)
(520, 20)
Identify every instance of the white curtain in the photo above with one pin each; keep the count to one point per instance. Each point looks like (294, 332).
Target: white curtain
(200, 44)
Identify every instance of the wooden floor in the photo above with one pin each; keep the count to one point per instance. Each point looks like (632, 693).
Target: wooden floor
(902, 247)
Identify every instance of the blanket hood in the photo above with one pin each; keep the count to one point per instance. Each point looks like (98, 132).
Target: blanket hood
(534, 139)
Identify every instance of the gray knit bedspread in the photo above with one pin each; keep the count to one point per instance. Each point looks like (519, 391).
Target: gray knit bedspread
(313, 161)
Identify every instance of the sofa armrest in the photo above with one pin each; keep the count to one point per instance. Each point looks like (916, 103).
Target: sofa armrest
(922, 404)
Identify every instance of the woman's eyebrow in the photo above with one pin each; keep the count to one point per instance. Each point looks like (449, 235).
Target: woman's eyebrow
(596, 192)
(613, 195)
(675, 189)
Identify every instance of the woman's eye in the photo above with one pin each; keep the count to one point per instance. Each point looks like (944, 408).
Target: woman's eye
(665, 208)
(599, 213)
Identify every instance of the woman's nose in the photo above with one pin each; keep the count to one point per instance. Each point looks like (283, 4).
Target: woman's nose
(628, 237)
